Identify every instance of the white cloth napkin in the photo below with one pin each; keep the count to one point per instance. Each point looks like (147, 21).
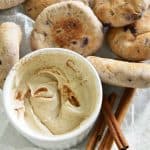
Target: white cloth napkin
(136, 126)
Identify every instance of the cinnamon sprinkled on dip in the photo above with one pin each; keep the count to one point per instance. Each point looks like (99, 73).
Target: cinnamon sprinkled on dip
(57, 92)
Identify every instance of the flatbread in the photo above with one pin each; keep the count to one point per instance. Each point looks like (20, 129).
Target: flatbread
(120, 73)
(9, 48)
(5, 4)
(34, 7)
(132, 42)
(70, 25)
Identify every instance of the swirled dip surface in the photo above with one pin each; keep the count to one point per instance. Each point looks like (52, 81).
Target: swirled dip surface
(54, 96)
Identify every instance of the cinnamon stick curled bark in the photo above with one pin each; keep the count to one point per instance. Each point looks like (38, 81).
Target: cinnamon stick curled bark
(114, 127)
(99, 127)
(120, 114)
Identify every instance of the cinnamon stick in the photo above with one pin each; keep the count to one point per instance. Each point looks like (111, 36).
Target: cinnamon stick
(121, 111)
(114, 127)
(125, 102)
(99, 127)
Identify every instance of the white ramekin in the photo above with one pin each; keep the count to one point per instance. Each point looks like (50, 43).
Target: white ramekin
(61, 141)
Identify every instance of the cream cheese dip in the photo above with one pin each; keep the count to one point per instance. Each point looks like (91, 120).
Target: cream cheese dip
(54, 93)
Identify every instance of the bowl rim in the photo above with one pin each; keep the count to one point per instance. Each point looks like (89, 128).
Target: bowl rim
(77, 131)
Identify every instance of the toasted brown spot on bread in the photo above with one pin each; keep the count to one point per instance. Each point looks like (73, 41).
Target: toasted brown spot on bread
(71, 30)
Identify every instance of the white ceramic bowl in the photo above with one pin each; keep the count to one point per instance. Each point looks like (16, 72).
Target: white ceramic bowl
(59, 141)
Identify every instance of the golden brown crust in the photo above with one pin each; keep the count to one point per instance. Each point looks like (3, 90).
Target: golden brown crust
(72, 29)
(10, 38)
(133, 41)
(120, 73)
(77, 29)
(119, 13)
(4, 4)
(34, 7)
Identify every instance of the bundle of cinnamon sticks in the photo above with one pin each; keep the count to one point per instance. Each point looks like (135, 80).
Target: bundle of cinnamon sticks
(107, 118)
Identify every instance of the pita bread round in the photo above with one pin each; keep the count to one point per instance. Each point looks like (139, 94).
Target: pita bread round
(4, 4)
(33, 7)
(132, 42)
(119, 13)
(70, 25)
(121, 73)
(10, 39)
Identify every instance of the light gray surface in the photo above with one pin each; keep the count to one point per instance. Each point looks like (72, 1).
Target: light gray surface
(136, 126)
